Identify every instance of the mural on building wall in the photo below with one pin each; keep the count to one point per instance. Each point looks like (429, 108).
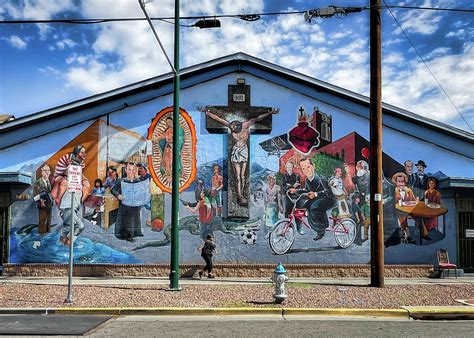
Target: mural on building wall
(239, 119)
(313, 205)
(326, 188)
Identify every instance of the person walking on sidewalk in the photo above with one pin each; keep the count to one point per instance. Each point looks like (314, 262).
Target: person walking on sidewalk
(207, 250)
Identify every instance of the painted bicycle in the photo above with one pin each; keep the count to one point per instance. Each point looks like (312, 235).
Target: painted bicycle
(283, 235)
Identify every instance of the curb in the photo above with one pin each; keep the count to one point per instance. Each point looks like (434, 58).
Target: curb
(393, 313)
(406, 312)
(388, 313)
(440, 312)
(168, 311)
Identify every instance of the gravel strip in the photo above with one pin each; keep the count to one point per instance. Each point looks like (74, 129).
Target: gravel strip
(206, 295)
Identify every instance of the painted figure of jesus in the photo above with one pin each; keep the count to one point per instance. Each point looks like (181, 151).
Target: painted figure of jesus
(240, 152)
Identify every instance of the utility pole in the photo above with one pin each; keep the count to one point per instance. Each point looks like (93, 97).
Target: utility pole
(376, 175)
(377, 268)
(174, 274)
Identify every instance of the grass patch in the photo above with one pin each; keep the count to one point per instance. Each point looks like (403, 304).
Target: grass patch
(299, 285)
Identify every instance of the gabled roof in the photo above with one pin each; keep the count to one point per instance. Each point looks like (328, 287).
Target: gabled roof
(35, 125)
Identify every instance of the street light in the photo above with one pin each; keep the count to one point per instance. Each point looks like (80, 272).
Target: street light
(174, 264)
(213, 23)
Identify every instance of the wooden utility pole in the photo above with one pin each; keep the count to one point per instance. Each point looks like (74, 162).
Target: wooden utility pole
(376, 176)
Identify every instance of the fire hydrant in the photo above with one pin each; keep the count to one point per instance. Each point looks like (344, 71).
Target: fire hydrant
(279, 278)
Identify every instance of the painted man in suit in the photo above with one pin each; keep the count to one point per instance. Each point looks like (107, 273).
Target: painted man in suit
(403, 194)
(320, 198)
(362, 179)
(408, 164)
(420, 185)
(291, 181)
(420, 182)
(42, 189)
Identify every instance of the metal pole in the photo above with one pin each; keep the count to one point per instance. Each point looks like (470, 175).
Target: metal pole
(174, 274)
(376, 174)
(69, 297)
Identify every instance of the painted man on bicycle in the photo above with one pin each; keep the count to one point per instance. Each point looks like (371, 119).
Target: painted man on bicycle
(319, 198)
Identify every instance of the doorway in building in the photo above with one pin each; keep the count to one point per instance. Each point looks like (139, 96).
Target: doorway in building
(4, 228)
(466, 233)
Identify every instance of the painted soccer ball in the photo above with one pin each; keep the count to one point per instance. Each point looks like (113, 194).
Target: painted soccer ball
(248, 237)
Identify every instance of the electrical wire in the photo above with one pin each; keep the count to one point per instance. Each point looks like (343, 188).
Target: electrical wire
(431, 8)
(426, 65)
(245, 17)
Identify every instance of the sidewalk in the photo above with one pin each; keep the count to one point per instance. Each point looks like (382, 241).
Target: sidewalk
(420, 298)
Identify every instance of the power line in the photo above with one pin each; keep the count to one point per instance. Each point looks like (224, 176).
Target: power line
(426, 65)
(430, 8)
(244, 17)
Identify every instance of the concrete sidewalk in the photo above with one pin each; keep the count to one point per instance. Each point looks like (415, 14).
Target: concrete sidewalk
(229, 281)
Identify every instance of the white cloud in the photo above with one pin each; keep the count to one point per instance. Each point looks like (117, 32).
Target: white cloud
(80, 59)
(126, 53)
(50, 71)
(340, 35)
(437, 52)
(38, 9)
(415, 89)
(395, 58)
(65, 43)
(422, 22)
(387, 43)
(16, 42)
(286, 40)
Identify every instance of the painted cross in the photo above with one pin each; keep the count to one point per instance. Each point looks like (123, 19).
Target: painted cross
(239, 119)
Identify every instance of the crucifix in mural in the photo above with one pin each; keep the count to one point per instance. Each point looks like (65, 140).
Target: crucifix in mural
(239, 119)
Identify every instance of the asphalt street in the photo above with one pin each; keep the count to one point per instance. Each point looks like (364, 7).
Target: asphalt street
(228, 326)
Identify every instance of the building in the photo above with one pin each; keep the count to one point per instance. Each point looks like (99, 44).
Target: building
(226, 173)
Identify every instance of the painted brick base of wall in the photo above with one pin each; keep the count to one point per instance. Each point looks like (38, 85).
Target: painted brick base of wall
(221, 270)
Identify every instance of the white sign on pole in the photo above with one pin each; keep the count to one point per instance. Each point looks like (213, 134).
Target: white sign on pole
(469, 233)
(74, 178)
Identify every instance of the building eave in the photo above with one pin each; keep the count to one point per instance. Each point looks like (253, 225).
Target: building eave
(114, 100)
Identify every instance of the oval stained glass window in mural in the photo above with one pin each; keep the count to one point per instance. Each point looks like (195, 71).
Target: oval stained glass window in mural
(160, 134)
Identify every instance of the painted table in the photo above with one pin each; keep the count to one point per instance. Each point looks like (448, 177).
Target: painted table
(420, 209)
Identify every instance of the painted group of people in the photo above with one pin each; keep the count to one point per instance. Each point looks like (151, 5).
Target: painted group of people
(314, 195)
(344, 196)
(209, 201)
(52, 189)
(413, 187)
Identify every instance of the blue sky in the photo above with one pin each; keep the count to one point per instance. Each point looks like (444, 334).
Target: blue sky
(43, 66)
